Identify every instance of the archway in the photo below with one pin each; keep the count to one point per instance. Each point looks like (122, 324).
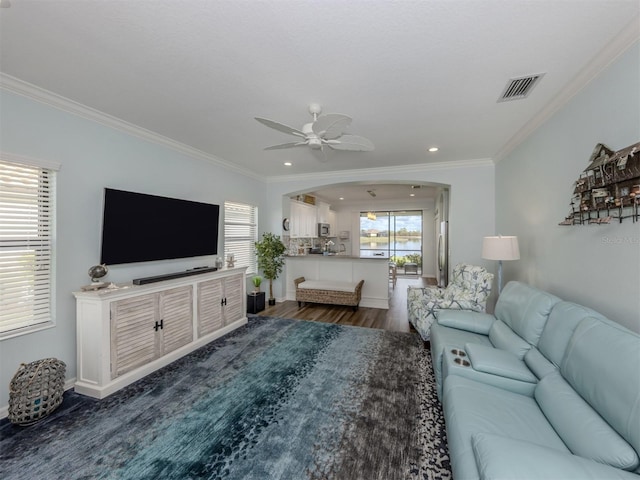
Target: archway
(346, 200)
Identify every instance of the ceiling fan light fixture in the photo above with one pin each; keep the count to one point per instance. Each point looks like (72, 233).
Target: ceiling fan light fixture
(315, 143)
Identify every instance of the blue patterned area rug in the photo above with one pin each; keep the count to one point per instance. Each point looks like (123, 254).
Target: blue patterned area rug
(276, 399)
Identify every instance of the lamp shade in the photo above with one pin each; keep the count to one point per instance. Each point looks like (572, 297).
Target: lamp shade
(500, 248)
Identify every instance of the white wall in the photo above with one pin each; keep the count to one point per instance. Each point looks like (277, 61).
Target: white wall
(472, 200)
(94, 156)
(594, 265)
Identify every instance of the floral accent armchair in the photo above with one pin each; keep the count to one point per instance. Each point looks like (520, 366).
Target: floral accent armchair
(469, 289)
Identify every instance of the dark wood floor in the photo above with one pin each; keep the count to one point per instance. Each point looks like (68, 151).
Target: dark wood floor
(394, 319)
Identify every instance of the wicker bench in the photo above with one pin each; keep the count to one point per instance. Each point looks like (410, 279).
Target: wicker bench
(329, 292)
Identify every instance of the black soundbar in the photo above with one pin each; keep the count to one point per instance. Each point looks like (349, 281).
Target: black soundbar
(171, 276)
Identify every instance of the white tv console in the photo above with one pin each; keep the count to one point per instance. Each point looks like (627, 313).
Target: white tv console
(125, 333)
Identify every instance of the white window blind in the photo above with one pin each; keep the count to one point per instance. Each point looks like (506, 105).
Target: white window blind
(26, 234)
(240, 234)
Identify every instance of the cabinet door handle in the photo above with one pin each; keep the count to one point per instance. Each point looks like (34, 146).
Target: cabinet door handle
(223, 302)
(159, 326)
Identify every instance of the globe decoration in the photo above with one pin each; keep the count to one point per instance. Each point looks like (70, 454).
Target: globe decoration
(97, 272)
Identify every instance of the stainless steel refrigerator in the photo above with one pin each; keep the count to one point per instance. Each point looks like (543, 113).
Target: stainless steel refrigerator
(443, 254)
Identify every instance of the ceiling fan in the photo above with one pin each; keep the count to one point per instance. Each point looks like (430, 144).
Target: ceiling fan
(325, 130)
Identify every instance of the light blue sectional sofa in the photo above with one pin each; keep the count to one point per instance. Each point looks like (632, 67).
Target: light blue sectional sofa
(545, 389)
(520, 316)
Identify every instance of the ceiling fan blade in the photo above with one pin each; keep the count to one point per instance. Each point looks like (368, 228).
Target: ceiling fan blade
(285, 145)
(331, 125)
(353, 143)
(281, 127)
(320, 154)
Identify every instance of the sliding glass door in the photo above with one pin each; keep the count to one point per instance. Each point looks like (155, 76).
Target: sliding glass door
(396, 235)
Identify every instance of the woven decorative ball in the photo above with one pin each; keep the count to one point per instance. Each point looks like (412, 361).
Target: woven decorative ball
(36, 390)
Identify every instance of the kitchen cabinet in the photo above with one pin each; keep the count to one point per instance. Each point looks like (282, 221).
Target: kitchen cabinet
(303, 222)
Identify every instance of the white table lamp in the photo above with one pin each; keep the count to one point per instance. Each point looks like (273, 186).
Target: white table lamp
(500, 248)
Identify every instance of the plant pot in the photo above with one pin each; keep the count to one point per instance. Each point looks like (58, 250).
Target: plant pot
(256, 290)
(272, 301)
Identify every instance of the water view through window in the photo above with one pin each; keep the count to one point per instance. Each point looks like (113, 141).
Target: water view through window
(393, 235)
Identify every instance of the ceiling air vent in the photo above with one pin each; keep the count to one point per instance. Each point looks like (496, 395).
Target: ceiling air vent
(518, 88)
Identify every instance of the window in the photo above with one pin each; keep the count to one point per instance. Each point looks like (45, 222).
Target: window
(240, 234)
(27, 194)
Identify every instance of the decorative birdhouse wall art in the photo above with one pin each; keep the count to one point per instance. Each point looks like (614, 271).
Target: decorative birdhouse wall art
(608, 189)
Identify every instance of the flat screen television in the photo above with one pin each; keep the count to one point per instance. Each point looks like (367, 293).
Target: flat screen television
(137, 227)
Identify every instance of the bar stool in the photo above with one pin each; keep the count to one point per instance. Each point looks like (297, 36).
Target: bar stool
(393, 273)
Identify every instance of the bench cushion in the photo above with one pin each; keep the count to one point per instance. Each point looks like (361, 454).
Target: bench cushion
(326, 285)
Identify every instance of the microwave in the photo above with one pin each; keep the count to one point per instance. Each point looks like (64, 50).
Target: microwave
(323, 229)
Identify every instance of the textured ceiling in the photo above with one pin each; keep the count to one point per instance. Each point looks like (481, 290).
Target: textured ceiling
(412, 74)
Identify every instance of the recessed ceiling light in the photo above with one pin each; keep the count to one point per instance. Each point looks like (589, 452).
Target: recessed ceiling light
(412, 194)
(433, 149)
(287, 164)
(341, 198)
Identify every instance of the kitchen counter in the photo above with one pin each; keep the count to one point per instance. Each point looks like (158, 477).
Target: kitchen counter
(343, 268)
(317, 256)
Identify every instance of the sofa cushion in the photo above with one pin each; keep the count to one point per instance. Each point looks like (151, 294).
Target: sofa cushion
(602, 364)
(538, 363)
(476, 322)
(472, 407)
(580, 427)
(525, 309)
(502, 458)
(563, 320)
(498, 362)
(503, 337)
(472, 282)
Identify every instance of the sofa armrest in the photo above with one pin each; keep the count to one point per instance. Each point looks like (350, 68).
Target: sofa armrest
(503, 458)
(469, 321)
(425, 293)
(498, 362)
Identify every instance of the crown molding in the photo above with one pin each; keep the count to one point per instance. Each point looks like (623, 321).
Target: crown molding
(389, 171)
(30, 161)
(33, 92)
(625, 39)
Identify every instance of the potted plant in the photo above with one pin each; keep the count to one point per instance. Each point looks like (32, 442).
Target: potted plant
(257, 280)
(270, 251)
